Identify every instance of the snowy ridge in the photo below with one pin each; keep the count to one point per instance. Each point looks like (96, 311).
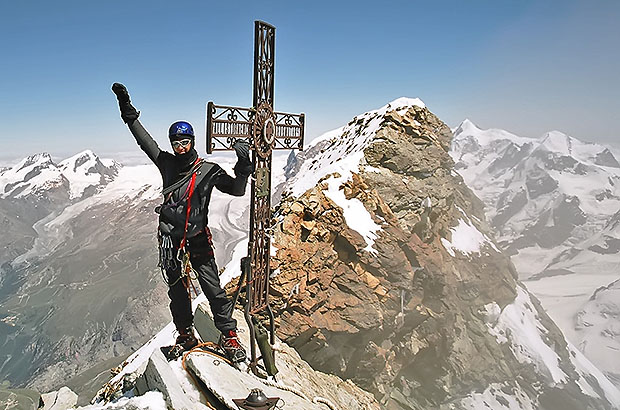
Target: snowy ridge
(137, 183)
(485, 137)
(338, 154)
(31, 175)
(518, 325)
(86, 169)
(343, 146)
(495, 397)
(597, 323)
(38, 173)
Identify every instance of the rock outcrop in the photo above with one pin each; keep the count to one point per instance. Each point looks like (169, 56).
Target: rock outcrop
(399, 306)
(203, 379)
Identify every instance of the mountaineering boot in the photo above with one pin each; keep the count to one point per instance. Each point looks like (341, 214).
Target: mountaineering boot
(186, 338)
(185, 342)
(229, 342)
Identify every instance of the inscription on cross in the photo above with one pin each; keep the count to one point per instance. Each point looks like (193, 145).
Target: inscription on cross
(265, 130)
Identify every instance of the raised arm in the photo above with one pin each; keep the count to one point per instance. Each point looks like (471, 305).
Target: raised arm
(243, 169)
(130, 115)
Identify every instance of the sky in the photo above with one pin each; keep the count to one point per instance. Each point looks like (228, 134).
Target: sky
(525, 66)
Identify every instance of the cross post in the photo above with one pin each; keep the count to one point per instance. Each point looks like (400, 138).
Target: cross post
(265, 130)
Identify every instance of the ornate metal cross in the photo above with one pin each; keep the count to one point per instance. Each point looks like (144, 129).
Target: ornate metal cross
(265, 130)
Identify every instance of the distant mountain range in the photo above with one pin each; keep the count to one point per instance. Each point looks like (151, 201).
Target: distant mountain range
(554, 204)
(79, 283)
(386, 271)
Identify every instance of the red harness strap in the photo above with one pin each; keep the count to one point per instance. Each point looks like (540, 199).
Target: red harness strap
(192, 184)
(189, 191)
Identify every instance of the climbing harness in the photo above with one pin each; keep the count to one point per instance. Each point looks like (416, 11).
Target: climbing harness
(167, 258)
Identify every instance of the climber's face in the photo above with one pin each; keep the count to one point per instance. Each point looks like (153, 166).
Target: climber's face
(182, 146)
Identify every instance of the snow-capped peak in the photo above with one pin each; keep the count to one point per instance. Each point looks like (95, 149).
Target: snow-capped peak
(79, 160)
(403, 102)
(399, 105)
(33, 173)
(467, 130)
(42, 159)
(38, 173)
(467, 126)
(339, 153)
(346, 145)
(85, 170)
(556, 141)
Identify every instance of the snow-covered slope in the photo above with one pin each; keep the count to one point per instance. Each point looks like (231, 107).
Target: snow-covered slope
(553, 202)
(86, 171)
(59, 256)
(338, 154)
(33, 174)
(81, 175)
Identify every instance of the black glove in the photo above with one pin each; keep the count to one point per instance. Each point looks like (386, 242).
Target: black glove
(128, 111)
(244, 166)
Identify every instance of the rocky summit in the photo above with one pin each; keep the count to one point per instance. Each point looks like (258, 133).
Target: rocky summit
(387, 273)
(385, 277)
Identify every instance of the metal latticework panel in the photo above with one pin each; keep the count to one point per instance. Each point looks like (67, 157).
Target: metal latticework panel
(264, 62)
(226, 124)
(260, 240)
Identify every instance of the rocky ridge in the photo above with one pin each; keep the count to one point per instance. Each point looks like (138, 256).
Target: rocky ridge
(406, 295)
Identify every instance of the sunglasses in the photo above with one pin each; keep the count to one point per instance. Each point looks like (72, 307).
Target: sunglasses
(181, 143)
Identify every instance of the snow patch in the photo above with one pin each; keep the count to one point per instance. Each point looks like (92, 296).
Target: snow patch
(152, 400)
(233, 268)
(518, 325)
(467, 239)
(346, 144)
(81, 171)
(342, 156)
(354, 212)
(585, 367)
(165, 337)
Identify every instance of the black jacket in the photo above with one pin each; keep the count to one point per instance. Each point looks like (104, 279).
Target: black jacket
(172, 168)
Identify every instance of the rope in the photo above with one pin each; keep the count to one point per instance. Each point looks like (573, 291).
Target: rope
(186, 272)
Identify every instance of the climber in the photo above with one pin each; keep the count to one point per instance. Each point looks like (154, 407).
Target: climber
(183, 232)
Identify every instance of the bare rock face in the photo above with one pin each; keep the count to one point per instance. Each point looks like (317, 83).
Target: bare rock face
(375, 318)
(402, 317)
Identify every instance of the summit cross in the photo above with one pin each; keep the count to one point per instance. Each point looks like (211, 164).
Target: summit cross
(265, 130)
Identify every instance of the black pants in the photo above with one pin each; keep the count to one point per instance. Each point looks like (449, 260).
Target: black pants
(203, 262)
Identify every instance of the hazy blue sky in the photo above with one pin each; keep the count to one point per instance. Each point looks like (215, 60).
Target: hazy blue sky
(525, 66)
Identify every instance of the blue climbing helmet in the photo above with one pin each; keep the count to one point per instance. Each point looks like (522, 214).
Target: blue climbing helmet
(181, 129)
